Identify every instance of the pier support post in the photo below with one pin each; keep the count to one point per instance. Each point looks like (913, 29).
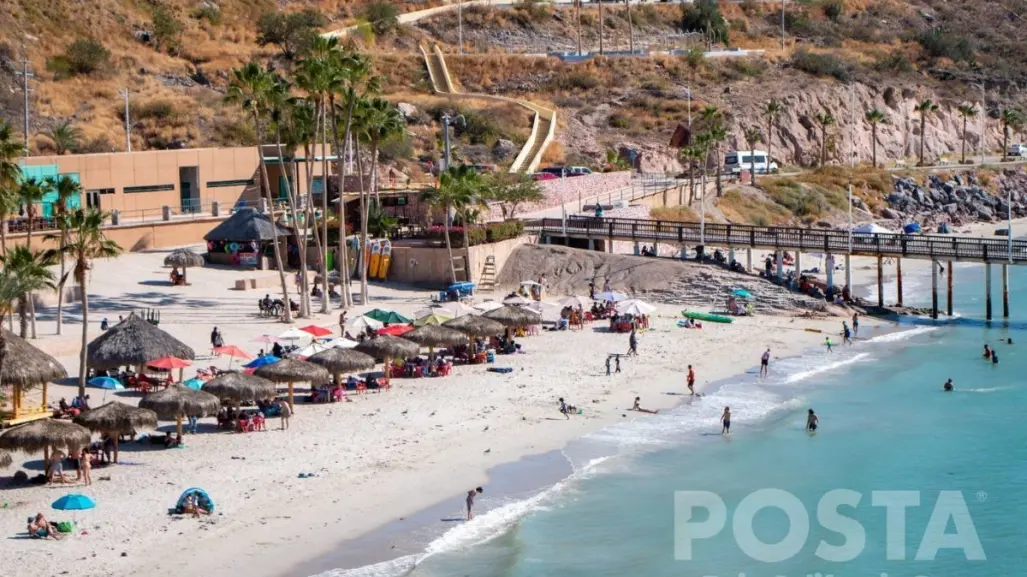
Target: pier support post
(638, 251)
(748, 259)
(780, 264)
(880, 282)
(848, 271)
(1005, 291)
(591, 244)
(798, 264)
(949, 282)
(934, 289)
(730, 256)
(898, 278)
(829, 263)
(987, 291)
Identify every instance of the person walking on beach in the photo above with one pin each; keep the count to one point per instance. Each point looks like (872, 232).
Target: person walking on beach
(285, 411)
(765, 364)
(855, 324)
(633, 343)
(725, 419)
(470, 501)
(85, 467)
(691, 381)
(565, 409)
(342, 323)
(846, 333)
(592, 290)
(827, 341)
(812, 420)
(215, 339)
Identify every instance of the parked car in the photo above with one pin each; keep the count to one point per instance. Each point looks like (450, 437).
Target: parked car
(554, 170)
(578, 170)
(737, 161)
(544, 176)
(1017, 150)
(1002, 232)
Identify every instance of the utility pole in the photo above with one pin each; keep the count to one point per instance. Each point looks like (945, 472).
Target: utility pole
(852, 168)
(128, 121)
(984, 116)
(448, 121)
(25, 76)
(460, 24)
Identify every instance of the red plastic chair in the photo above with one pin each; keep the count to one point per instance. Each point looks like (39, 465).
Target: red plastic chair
(444, 370)
(361, 387)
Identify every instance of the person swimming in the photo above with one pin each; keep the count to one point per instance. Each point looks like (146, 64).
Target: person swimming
(994, 357)
(812, 420)
(987, 352)
(948, 386)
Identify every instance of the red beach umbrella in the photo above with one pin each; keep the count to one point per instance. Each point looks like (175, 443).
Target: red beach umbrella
(169, 362)
(233, 351)
(395, 330)
(316, 331)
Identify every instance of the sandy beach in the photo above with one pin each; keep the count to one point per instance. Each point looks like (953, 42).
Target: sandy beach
(375, 458)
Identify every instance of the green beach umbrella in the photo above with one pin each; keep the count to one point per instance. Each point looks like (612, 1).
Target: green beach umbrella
(387, 316)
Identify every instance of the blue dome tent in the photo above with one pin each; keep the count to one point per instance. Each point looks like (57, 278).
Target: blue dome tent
(203, 500)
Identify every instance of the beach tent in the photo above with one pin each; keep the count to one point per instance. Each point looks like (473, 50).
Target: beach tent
(911, 228)
(871, 228)
(247, 224)
(203, 500)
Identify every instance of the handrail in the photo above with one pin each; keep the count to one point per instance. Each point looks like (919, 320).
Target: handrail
(924, 246)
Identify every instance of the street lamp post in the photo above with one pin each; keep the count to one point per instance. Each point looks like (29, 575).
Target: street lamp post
(448, 121)
(128, 122)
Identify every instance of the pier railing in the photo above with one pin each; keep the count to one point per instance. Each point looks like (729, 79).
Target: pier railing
(918, 246)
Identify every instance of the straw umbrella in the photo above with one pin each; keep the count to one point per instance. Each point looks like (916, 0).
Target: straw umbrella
(177, 401)
(115, 419)
(134, 342)
(184, 258)
(387, 348)
(5, 459)
(511, 316)
(291, 371)
(43, 435)
(337, 361)
(475, 326)
(240, 387)
(432, 336)
(25, 366)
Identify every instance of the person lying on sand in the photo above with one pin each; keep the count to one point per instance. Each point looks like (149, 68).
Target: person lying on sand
(635, 407)
(192, 507)
(42, 528)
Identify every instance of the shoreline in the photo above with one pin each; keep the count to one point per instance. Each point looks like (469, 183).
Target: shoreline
(410, 530)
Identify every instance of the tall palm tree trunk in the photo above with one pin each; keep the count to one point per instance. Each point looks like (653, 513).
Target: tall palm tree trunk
(873, 144)
(287, 315)
(310, 213)
(770, 139)
(449, 245)
(600, 35)
(962, 159)
(324, 205)
(631, 27)
(342, 256)
(60, 283)
(362, 249)
(30, 297)
(923, 126)
(290, 198)
(301, 242)
(720, 185)
(82, 361)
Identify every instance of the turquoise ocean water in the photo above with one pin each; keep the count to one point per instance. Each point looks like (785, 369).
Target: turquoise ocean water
(886, 426)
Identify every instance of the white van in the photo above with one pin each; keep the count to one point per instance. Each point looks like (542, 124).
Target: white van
(737, 161)
(1017, 150)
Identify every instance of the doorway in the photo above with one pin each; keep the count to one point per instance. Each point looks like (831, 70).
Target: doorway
(189, 188)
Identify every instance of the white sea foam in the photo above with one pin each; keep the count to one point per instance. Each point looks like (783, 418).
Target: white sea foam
(823, 368)
(982, 390)
(901, 335)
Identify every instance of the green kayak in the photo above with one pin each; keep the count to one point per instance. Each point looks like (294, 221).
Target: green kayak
(706, 317)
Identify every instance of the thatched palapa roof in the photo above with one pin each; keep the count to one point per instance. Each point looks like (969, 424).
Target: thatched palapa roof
(5, 459)
(178, 401)
(25, 365)
(476, 326)
(38, 435)
(184, 257)
(240, 387)
(337, 360)
(436, 336)
(389, 347)
(117, 417)
(293, 371)
(245, 225)
(134, 342)
(514, 316)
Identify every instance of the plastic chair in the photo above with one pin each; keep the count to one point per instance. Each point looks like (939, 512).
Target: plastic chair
(444, 370)
(361, 387)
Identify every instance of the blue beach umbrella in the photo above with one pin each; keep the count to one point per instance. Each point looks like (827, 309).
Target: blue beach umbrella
(194, 384)
(73, 502)
(742, 294)
(261, 361)
(106, 383)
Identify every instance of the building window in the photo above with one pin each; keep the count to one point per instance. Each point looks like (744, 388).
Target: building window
(227, 183)
(149, 188)
(100, 191)
(394, 201)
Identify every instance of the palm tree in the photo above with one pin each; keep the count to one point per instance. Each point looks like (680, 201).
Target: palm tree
(65, 137)
(874, 117)
(377, 120)
(12, 288)
(455, 191)
(1011, 119)
(30, 193)
(967, 111)
(85, 243)
(631, 27)
(10, 174)
(357, 84)
(66, 189)
(601, 26)
(925, 107)
(691, 154)
(250, 88)
(752, 136)
(771, 111)
(713, 121)
(33, 270)
(296, 123)
(824, 119)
